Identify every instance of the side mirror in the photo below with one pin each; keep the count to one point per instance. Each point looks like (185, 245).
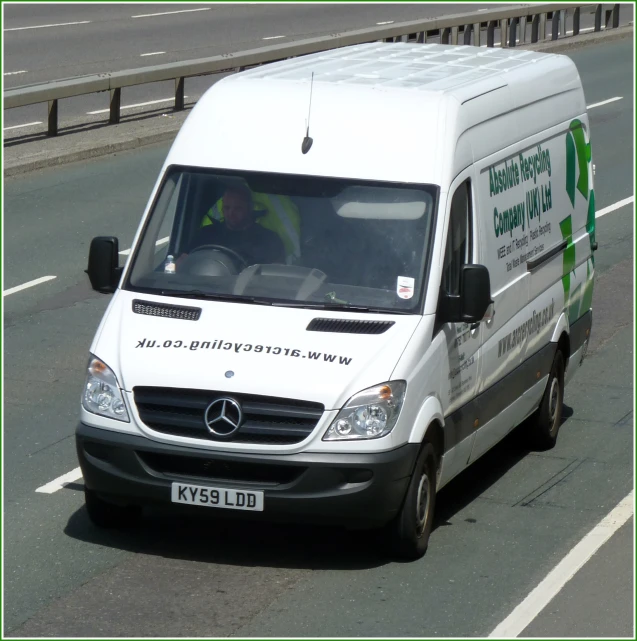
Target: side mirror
(475, 293)
(103, 264)
(474, 299)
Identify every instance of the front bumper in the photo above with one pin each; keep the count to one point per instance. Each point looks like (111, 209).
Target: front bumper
(355, 490)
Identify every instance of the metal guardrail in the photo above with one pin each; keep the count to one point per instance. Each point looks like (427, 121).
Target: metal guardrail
(466, 28)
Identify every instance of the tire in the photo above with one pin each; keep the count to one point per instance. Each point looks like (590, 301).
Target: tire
(548, 418)
(409, 531)
(109, 515)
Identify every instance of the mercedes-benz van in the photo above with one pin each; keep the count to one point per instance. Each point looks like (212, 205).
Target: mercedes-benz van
(357, 272)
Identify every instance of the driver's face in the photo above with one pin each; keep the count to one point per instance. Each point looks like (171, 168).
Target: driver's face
(236, 210)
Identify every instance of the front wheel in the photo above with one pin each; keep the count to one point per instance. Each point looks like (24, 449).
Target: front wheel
(411, 528)
(548, 418)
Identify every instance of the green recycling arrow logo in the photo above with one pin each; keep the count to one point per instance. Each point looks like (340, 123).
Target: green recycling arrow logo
(578, 157)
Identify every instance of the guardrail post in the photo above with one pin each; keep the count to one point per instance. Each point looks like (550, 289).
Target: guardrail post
(53, 118)
(522, 29)
(542, 35)
(476, 34)
(179, 94)
(513, 32)
(565, 22)
(598, 18)
(576, 21)
(535, 28)
(454, 35)
(612, 17)
(555, 26)
(444, 36)
(116, 101)
(466, 34)
(504, 27)
(491, 33)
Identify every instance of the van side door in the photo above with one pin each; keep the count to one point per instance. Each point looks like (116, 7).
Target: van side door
(463, 341)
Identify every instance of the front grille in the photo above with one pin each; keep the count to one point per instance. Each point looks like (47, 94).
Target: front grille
(196, 467)
(266, 419)
(166, 311)
(340, 326)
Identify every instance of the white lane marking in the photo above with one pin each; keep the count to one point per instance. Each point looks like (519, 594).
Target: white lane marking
(154, 53)
(272, 37)
(61, 481)
(26, 124)
(31, 283)
(13, 73)
(168, 13)
(161, 241)
(139, 104)
(45, 26)
(622, 203)
(564, 571)
(386, 22)
(479, 10)
(604, 102)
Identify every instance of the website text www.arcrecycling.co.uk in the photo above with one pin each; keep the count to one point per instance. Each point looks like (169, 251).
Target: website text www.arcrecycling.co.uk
(273, 350)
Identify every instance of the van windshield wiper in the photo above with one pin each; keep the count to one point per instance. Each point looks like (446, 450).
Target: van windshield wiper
(197, 293)
(342, 307)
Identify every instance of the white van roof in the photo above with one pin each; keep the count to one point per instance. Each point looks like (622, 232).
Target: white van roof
(416, 67)
(394, 112)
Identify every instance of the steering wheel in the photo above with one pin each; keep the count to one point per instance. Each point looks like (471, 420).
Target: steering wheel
(229, 252)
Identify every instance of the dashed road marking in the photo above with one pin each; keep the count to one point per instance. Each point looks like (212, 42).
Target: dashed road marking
(46, 26)
(272, 37)
(139, 104)
(31, 283)
(386, 22)
(61, 481)
(154, 53)
(169, 13)
(161, 241)
(14, 73)
(26, 124)
(604, 102)
(621, 203)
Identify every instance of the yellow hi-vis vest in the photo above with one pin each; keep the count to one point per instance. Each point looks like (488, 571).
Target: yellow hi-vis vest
(282, 217)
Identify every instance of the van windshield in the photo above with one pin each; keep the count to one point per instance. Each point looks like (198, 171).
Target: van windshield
(286, 239)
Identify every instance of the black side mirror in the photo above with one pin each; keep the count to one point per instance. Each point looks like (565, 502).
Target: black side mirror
(103, 264)
(475, 292)
(474, 299)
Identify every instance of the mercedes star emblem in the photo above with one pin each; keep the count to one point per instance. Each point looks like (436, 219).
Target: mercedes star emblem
(223, 416)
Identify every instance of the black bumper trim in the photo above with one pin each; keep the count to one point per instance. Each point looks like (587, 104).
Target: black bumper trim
(363, 490)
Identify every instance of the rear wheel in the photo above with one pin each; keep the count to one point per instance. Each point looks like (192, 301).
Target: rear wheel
(548, 418)
(109, 515)
(411, 528)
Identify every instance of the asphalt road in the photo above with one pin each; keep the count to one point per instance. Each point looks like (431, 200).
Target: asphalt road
(501, 526)
(51, 42)
(87, 38)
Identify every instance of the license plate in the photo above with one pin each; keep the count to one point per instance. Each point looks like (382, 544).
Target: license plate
(217, 497)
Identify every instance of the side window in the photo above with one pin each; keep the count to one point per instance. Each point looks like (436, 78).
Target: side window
(458, 249)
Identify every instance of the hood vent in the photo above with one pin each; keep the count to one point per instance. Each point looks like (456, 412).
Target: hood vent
(166, 311)
(338, 326)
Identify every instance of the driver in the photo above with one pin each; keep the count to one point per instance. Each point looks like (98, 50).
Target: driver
(240, 232)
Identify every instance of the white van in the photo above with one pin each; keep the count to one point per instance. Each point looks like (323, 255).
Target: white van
(357, 272)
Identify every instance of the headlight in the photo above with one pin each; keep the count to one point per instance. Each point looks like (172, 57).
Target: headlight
(102, 394)
(371, 413)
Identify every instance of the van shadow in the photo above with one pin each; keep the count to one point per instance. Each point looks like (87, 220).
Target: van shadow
(479, 477)
(242, 542)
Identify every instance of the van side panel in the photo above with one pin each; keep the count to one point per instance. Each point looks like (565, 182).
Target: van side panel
(533, 199)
